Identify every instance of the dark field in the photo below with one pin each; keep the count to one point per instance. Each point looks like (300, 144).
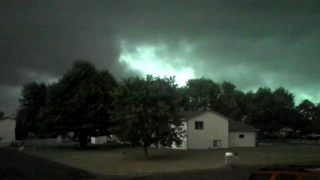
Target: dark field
(111, 160)
(20, 165)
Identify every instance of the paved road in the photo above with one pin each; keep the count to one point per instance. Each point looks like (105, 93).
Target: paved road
(18, 165)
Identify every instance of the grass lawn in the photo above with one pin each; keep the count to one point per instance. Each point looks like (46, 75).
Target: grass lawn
(109, 160)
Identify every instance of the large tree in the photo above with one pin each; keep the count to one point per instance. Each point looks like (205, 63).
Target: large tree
(263, 102)
(229, 101)
(240, 111)
(316, 122)
(33, 98)
(21, 131)
(184, 101)
(79, 102)
(307, 112)
(283, 103)
(250, 108)
(202, 93)
(146, 111)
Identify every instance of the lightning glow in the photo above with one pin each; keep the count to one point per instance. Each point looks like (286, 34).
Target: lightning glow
(145, 59)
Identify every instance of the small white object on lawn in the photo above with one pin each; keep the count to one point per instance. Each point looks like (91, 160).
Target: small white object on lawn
(230, 154)
(21, 148)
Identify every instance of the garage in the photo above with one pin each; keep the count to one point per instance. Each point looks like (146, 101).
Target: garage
(242, 135)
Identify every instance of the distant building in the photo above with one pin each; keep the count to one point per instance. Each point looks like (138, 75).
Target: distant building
(7, 131)
(274, 131)
(286, 131)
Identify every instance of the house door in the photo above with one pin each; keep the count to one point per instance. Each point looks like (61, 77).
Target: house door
(216, 143)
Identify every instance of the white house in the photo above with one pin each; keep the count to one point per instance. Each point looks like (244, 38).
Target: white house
(7, 131)
(99, 140)
(285, 131)
(211, 130)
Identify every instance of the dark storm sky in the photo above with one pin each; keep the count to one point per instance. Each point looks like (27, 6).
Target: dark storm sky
(251, 43)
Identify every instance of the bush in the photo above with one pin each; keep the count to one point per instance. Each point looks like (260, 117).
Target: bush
(14, 144)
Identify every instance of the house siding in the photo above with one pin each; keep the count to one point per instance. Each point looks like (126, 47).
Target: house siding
(7, 130)
(249, 139)
(214, 128)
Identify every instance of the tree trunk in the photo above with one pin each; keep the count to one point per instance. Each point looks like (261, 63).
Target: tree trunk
(83, 139)
(145, 147)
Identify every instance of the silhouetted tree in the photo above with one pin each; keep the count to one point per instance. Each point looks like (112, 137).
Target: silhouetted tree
(202, 93)
(79, 102)
(33, 98)
(145, 110)
(307, 112)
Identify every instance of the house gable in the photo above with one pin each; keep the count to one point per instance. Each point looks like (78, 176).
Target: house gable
(191, 114)
(237, 126)
(7, 118)
(7, 130)
(214, 128)
(7, 121)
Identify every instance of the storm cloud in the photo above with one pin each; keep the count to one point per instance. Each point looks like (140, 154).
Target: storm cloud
(251, 43)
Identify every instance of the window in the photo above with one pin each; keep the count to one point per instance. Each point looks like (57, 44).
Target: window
(310, 178)
(286, 177)
(241, 136)
(216, 143)
(260, 177)
(198, 125)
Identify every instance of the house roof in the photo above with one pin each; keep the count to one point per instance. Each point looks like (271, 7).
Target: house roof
(286, 129)
(191, 114)
(4, 118)
(234, 126)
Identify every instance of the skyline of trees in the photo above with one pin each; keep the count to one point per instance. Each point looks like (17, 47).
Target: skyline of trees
(90, 102)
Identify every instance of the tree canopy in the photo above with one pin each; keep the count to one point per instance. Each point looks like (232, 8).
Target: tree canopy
(79, 103)
(32, 99)
(90, 102)
(146, 111)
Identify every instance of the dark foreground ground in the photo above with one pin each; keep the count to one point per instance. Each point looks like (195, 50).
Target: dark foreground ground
(18, 165)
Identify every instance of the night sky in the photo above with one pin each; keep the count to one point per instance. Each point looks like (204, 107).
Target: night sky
(251, 43)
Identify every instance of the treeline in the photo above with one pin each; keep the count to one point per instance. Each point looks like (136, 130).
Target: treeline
(263, 107)
(90, 102)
